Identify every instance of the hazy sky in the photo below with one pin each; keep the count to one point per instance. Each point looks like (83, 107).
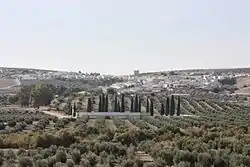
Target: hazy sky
(118, 36)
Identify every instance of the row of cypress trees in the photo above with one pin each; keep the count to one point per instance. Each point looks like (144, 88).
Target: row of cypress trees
(135, 104)
(169, 108)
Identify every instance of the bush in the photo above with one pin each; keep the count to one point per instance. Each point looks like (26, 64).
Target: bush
(25, 162)
(76, 156)
(85, 163)
(42, 163)
(12, 124)
(2, 126)
(51, 161)
(70, 163)
(92, 158)
(61, 156)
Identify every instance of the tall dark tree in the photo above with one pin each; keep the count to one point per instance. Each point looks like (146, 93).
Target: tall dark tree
(100, 104)
(118, 106)
(172, 107)
(151, 107)
(162, 109)
(167, 107)
(139, 105)
(89, 107)
(178, 112)
(74, 110)
(69, 109)
(148, 107)
(132, 104)
(115, 105)
(107, 103)
(103, 102)
(136, 103)
(123, 104)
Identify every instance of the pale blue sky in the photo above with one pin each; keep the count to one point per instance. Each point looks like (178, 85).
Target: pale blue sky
(118, 36)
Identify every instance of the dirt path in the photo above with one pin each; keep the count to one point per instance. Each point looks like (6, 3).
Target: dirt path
(56, 114)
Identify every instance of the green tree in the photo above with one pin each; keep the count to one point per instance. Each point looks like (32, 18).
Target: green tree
(74, 109)
(100, 104)
(107, 103)
(89, 106)
(139, 106)
(151, 107)
(132, 104)
(42, 95)
(172, 107)
(103, 102)
(148, 107)
(116, 104)
(162, 109)
(178, 113)
(136, 103)
(167, 107)
(123, 104)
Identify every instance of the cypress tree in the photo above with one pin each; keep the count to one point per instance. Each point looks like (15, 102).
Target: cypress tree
(103, 102)
(118, 106)
(178, 113)
(162, 109)
(172, 107)
(100, 104)
(147, 109)
(151, 108)
(89, 107)
(74, 110)
(107, 103)
(139, 105)
(70, 109)
(115, 105)
(123, 104)
(132, 104)
(136, 104)
(167, 107)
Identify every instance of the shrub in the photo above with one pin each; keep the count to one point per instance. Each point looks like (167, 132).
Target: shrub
(92, 158)
(42, 163)
(2, 126)
(85, 163)
(21, 152)
(76, 156)
(70, 163)
(10, 155)
(51, 161)
(25, 162)
(61, 156)
(12, 124)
